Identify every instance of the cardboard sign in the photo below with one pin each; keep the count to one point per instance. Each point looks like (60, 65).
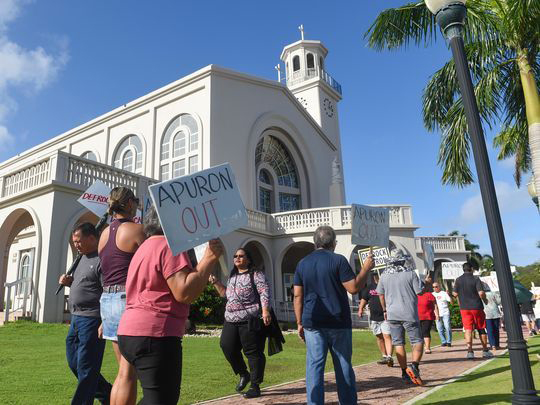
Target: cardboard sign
(451, 270)
(370, 225)
(429, 256)
(198, 207)
(380, 254)
(96, 198)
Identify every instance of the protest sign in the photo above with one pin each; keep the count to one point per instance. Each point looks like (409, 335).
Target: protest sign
(380, 254)
(451, 270)
(370, 225)
(491, 281)
(198, 207)
(429, 256)
(96, 198)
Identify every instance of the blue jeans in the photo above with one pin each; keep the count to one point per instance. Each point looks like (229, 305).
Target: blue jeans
(84, 352)
(339, 342)
(444, 328)
(492, 326)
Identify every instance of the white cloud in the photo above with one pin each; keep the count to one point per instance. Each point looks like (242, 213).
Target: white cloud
(509, 196)
(21, 68)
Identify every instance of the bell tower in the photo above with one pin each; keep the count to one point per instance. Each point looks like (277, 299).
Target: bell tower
(319, 94)
(312, 85)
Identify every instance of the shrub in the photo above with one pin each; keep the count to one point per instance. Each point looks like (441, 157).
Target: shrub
(455, 316)
(208, 308)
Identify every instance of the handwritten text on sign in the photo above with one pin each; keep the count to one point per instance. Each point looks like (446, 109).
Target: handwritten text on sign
(96, 199)
(379, 253)
(196, 208)
(370, 225)
(451, 270)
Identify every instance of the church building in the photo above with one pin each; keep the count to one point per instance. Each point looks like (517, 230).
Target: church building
(281, 139)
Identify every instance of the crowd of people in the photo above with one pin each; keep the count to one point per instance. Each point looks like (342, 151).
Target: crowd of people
(129, 288)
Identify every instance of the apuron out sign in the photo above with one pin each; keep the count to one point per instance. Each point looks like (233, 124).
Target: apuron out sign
(370, 225)
(201, 206)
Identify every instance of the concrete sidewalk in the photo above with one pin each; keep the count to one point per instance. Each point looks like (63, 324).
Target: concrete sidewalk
(378, 384)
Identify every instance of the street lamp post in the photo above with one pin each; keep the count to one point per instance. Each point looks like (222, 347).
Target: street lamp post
(450, 15)
(531, 188)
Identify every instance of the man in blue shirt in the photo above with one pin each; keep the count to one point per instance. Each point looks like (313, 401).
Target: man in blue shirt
(321, 305)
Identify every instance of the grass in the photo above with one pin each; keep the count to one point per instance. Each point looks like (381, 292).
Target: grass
(33, 367)
(490, 384)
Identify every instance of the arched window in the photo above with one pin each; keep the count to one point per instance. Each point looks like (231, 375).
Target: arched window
(266, 191)
(321, 62)
(89, 155)
(24, 271)
(273, 161)
(310, 61)
(129, 155)
(296, 63)
(179, 148)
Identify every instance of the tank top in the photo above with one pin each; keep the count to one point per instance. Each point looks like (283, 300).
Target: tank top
(114, 262)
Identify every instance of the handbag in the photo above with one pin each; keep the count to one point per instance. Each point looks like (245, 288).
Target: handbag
(272, 331)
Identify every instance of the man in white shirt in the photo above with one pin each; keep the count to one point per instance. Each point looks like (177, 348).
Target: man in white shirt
(443, 323)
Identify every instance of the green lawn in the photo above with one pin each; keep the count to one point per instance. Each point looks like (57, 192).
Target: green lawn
(490, 384)
(33, 368)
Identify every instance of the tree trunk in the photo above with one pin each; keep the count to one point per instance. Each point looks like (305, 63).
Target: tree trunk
(532, 108)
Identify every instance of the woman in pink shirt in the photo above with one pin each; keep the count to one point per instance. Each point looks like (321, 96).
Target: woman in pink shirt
(159, 289)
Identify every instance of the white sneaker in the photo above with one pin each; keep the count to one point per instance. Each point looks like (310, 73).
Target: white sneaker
(486, 354)
(470, 355)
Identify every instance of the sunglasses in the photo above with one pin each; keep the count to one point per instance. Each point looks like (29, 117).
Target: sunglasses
(239, 256)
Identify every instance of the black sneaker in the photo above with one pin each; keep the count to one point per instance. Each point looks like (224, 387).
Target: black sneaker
(384, 360)
(253, 392)
(406, 379)
(444, 344)
(414, 374)
(449, 345)
(244, 379)
(390, 361)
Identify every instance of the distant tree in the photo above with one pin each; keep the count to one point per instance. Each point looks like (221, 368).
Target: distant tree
(473, 257)
(527, 274)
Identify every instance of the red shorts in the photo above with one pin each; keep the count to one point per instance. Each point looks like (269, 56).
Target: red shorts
(473, 319)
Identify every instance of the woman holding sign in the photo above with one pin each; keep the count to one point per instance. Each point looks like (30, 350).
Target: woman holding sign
(247, 309)
(160, 287)
(117, 245)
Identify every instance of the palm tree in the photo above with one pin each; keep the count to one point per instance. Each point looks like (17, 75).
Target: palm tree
(502, 43)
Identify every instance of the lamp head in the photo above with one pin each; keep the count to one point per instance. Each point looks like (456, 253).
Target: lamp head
(436, 5)
(450, 15)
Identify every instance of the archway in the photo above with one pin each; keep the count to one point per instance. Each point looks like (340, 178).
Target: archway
(296, 252)
(20, 242)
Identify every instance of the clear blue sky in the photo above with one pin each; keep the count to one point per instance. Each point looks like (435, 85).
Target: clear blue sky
(65, 62)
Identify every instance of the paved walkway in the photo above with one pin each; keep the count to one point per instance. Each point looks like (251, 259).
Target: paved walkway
(377, 384)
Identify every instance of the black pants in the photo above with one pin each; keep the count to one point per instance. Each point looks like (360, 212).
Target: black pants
(235, 337)
(158, 361)
(426, 326)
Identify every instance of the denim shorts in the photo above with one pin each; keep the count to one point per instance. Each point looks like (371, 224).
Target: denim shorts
(112, 307)
(398, 328)
(378, 327)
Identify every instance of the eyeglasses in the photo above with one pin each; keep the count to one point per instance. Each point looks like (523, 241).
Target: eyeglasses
(239, 256)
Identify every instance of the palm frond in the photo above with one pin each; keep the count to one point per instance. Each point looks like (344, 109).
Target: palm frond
(398, 27)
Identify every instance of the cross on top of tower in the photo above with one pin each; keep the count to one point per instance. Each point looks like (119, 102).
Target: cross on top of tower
(301, 28)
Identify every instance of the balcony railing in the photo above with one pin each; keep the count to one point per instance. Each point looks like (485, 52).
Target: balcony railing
(306, 74)
(442, 243)
(68, 170)
(308, 220)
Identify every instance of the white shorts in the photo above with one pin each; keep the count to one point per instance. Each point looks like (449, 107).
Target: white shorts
(527, 317)
(378, 327)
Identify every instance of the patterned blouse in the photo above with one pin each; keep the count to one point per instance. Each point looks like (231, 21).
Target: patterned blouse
(242, 302)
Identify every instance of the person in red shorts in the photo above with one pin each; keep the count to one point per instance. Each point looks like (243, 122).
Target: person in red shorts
(470, 292)
(427, 313)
